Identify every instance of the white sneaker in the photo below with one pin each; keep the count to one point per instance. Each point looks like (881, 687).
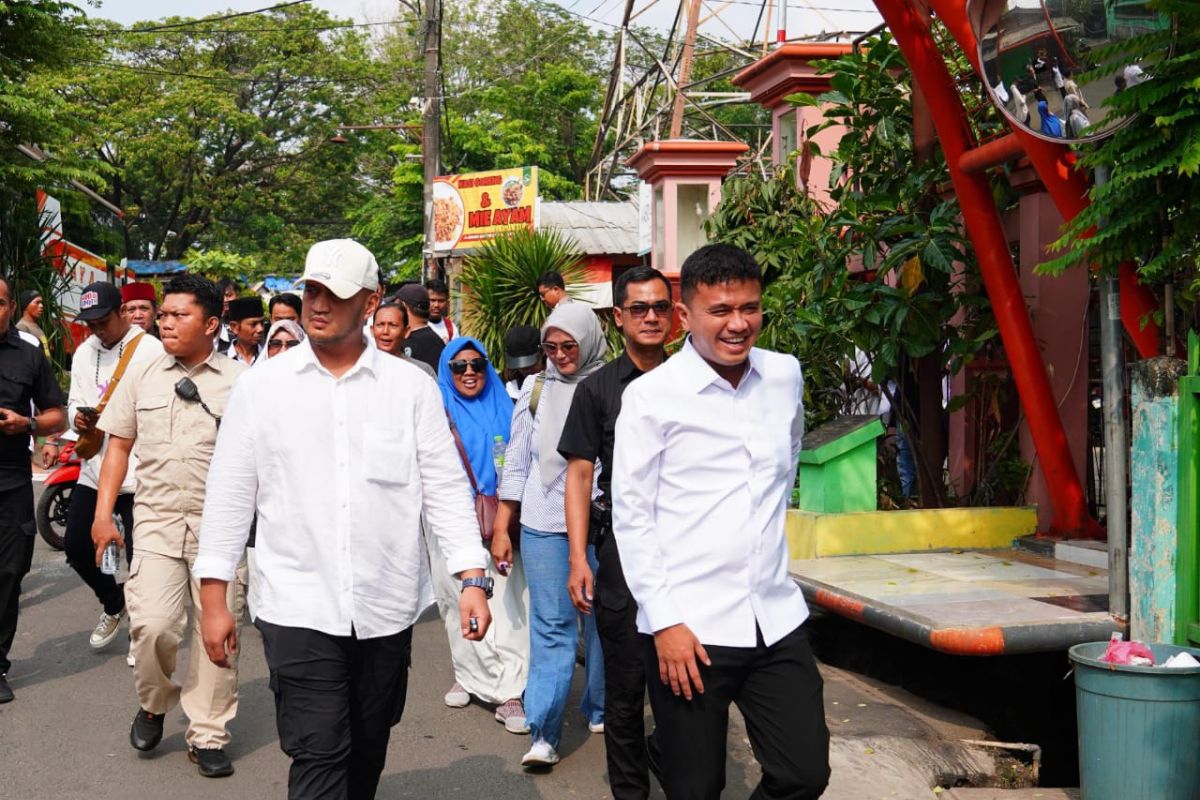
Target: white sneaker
(129, 659)
(596, 727)
(457, 697)
(106, 630)
(542, 754)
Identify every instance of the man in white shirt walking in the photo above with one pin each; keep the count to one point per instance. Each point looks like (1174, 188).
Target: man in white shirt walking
(92, 370)
(704, 463)
(339, 554)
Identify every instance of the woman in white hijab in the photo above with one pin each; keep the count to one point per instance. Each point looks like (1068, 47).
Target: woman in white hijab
(534, 477)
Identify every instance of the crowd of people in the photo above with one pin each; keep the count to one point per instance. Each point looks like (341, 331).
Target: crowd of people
(637, 502)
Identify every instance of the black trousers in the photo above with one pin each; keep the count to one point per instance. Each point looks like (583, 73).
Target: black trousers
(17, 530)
(624, 677)
(81, 553)
(779, 692)
(336, 700)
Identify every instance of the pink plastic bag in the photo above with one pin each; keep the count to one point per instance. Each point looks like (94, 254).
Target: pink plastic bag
(1132, 654)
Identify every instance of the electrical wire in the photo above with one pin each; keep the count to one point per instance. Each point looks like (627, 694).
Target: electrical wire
(230, 78)
(175, 25)
(224, 31)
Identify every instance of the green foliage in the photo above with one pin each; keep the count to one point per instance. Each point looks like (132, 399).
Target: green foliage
(913, 293)
(23, 267)
(217, 264)
(500, 283)
(1146, 212)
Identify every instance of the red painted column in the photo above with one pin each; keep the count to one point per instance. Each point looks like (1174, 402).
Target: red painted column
(1067, 186)
(995, 262)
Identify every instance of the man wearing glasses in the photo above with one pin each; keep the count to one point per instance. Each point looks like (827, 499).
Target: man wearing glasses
(642, 309)
(172, 429)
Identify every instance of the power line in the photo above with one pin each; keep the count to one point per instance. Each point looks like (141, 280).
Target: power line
(228, 78)
(175, 25)
(222, 31)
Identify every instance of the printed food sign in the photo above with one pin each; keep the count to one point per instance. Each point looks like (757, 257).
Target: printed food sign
(471, 209)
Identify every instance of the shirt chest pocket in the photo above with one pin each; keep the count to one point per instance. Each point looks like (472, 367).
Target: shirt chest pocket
(153, 419)
(388, 456)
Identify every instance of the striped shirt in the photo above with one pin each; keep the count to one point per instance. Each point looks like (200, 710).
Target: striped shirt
(521, 479)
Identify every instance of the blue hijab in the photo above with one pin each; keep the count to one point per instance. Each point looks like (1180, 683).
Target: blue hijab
(1051, 125)
(479, 419)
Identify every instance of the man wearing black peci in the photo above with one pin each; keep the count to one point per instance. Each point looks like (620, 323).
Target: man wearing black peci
(642, 309)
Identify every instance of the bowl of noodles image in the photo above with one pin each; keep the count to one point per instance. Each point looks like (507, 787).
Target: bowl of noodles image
(448, 216)
(512, 192)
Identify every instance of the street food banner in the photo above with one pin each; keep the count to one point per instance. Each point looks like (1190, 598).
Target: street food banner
(471, 209)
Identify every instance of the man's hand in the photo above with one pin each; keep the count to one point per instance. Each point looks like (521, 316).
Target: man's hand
(473, 604)
(580, 585)
(13, 424)
(502, 549)
(49, 454)
(84, 423)
(678, 648)
(104, 530)
(218, 628)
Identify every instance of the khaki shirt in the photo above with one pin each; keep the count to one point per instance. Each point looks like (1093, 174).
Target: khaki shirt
(174, 441)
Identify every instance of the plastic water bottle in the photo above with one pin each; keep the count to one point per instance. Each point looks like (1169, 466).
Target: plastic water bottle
(498, 448)
(110, 561)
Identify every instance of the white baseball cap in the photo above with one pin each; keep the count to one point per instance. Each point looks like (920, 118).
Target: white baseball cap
(343, 266)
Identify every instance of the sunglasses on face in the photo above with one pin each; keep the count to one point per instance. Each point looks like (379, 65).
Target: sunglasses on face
(568, 348)
(275, 344)
(459, 367)
(639, 310)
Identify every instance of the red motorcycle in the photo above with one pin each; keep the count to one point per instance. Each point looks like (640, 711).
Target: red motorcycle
(56, 497)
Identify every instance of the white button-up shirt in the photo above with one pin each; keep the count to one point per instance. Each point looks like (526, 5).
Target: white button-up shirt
(340, 471)
(702, 473)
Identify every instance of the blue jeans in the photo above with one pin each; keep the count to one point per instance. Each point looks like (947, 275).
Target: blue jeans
(553, 635)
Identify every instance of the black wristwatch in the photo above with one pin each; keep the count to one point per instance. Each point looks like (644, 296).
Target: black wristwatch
(486, 584)
(32, 425)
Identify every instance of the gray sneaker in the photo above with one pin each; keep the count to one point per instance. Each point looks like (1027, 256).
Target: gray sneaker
(106, 630)
(512, 714)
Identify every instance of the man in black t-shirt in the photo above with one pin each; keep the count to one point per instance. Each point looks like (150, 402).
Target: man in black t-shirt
(642, 309)
(26, 379)
(422, 343)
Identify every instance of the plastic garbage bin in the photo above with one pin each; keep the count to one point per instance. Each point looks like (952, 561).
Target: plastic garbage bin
(1138, 726)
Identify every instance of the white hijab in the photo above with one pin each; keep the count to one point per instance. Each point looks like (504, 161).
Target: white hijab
(578, 320)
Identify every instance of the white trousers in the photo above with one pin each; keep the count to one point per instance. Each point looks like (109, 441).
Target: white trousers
(494, 669)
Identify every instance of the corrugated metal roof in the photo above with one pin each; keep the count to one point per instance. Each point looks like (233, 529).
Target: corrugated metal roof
(598, 228)
(142, 266)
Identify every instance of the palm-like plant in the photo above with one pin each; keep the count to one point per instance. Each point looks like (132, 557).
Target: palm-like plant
(500, 283)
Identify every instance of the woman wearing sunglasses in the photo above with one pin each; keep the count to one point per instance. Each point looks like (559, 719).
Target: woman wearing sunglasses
(534, 480)
(493, 669)
(283, 336)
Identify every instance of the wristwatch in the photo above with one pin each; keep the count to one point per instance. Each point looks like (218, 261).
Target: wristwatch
(483, 583)
(32, 425)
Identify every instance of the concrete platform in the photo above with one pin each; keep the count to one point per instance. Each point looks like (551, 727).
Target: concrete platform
(973, 602)
(1011, 794)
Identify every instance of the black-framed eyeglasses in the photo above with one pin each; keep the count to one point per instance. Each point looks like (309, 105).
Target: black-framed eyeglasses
(639, 310)
(568, 348)
(287, 344)
(459, 366)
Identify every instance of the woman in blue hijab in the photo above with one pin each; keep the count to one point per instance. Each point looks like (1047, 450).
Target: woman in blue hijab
(1051, 125)
(492, 670)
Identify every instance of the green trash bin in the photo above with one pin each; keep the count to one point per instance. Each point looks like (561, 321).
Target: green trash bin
(1138, 726)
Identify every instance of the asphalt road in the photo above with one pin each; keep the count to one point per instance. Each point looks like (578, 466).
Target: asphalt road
(66, 734)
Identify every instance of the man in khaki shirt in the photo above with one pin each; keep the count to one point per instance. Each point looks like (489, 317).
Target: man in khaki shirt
(173, 434)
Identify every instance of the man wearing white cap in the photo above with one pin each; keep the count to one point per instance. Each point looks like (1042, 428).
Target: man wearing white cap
(339, 550)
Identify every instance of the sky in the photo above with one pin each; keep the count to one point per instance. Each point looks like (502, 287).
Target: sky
(737, 17)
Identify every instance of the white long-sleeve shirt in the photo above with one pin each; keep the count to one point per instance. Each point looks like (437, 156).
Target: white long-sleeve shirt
(340, 471)
(701, 480)
(92, 368)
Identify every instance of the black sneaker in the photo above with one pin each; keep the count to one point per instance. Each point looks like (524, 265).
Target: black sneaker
(212, 762)
(6, 692)
(146, 731)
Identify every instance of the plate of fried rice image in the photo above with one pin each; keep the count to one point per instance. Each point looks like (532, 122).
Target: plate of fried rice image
(448, 216)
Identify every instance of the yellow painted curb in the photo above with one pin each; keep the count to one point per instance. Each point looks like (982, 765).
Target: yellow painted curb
(812, 535)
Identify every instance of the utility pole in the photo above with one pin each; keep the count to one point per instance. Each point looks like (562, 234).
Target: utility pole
(431, 130)
(1116, 440)
(685, 66)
